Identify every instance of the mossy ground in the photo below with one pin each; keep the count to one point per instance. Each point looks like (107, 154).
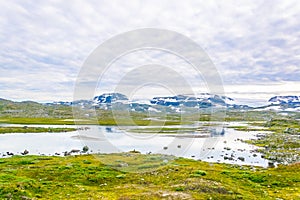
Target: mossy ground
(26, 129)
(86, 177)
(105, 121)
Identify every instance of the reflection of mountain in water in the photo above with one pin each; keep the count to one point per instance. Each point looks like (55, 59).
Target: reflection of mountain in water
(217, 132)
(108, 130)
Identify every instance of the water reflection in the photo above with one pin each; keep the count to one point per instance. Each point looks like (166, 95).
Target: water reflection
(220, 145)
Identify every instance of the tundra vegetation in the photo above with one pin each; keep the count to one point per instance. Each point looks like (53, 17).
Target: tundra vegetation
(26, 129)
(86, 177)
(148, 177)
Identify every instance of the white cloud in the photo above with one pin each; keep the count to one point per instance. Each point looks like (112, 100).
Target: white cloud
(44, 43)
(259, 94)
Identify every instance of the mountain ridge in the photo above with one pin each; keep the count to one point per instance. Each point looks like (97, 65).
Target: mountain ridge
(172, 103)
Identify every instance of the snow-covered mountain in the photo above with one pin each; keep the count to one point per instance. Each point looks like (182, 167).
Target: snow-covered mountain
(203, 100)
(175, 103)
(168, 103)
(283, 103)
(110, 98)
(285, 99)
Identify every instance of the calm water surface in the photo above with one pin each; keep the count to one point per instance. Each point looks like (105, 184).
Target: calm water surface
(221, 145)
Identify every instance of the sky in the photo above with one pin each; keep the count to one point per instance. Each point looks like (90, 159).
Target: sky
(254, 45)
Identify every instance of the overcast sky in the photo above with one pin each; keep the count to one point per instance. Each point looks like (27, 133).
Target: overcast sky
(255, 45)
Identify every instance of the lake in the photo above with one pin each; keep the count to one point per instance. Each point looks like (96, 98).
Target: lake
(216, 144)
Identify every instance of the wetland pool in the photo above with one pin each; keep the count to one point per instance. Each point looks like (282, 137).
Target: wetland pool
(212, 143)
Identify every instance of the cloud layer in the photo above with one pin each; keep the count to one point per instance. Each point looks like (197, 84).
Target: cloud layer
(44, 43)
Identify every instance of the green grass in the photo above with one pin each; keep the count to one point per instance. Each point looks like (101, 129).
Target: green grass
(110, 176)
(101, 121)
(27, 120)
(86, 177)
(26, 129)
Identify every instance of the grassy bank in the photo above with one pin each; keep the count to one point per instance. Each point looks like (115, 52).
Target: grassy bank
(84, 177)
(26, 129)
(44, 121)
(101, 121)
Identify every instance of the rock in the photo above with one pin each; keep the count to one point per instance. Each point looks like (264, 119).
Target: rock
(271, 164)
(122, 165)
(74, 151)
(25, 152)
(228, 158)
(85, 149)
(241, 159)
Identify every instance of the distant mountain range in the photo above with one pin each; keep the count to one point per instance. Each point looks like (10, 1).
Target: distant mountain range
(176, 103)
(283, 103)
(171, 104)
(285, 99)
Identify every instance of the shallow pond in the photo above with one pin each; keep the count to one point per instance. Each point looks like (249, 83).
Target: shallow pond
(208, 143)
